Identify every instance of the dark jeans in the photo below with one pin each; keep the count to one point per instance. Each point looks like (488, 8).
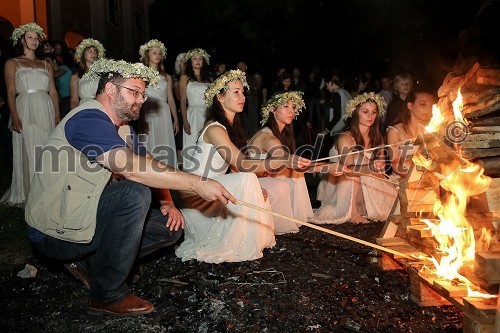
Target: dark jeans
(126, 228)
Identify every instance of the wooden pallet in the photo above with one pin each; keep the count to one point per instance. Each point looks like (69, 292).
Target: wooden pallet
(479, 315)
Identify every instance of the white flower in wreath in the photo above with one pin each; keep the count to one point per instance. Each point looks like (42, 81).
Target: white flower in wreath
(220, 84)
(85, 44)
(197, 53)
(363, 98)
(149, 45)
(28, 27)
(281, 99)
(123, 68)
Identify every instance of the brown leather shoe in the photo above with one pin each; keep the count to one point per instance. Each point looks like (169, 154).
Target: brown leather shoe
(129, 306)
(78, 272)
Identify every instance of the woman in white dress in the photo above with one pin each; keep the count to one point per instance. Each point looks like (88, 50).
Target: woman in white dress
(192, 86)
(358, 196)
(216, 233)
(82, 90)
(34, 112)
(416, 114)
(287, 189)
(157, 112)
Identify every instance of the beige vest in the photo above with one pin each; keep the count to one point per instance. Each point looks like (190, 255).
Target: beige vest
(65, 192)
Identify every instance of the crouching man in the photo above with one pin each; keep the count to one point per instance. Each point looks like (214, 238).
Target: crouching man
(89, 203)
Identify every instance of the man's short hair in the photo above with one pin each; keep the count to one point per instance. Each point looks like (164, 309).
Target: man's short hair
(108, 77)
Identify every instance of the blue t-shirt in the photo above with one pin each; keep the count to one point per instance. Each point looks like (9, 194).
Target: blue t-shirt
(93, 133)
(62, 82)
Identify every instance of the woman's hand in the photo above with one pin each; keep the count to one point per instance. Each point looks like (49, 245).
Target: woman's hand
(379, 165)
(264, 193)
(175, 125)
(337, 169)
(175, 218)
(17, 125)
(187, 128)
(297, 163)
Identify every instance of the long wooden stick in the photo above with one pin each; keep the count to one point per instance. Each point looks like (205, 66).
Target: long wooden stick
(363, 150)
(338, 234)
(388, 179)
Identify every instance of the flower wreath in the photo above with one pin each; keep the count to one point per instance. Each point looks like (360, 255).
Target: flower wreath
(216, 87)
(123, 68)
(196, 53)
(85, 44)
(22, 29)
(363, 98)
(281, 99)
(152, 43)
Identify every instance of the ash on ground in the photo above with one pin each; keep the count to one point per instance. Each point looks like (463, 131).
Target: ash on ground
(310, 281)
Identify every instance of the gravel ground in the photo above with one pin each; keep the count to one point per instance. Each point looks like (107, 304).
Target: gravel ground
(309, 282)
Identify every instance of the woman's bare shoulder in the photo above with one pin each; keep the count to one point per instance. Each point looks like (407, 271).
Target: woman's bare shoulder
(10, 63)
(346, 137)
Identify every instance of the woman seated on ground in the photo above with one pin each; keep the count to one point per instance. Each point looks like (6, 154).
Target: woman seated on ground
(287, 189)
(415, 115)
(364, 194)
(217, 233)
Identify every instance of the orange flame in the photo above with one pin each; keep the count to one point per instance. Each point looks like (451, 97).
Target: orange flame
(421, 160)
(478, 294)
(436, 120)
(457, 108)
(485, 239)
(455, 243)
(454, 235)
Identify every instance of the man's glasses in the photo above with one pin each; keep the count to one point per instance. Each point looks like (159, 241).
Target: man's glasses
(136, 93)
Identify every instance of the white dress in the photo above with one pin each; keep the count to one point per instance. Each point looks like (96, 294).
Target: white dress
(288, 195)
(214, 232)
(87, 89)
(346, 198)
(196, 112)
(37, 114)
(160, 140)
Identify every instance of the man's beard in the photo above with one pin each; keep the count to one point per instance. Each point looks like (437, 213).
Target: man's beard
(123, 110)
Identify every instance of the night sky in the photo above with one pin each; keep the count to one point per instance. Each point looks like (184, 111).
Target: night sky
(354, 36)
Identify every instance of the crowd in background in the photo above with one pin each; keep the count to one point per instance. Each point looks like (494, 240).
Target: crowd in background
(175, 115)
(322, 113)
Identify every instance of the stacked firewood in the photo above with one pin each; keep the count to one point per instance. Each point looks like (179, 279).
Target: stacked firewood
(480, 89)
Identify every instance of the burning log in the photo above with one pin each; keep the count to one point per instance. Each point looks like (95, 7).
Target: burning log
(487, 104)
(417, 200)
(487, 266)
(482, 140)
(493, 119)
(479, 315)
(488, 76)
(455, 80)
(480, 88)
(484, 129)
(422, 292)
(474, 153)
(493, 201)
(491, 166)
(450, 288)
